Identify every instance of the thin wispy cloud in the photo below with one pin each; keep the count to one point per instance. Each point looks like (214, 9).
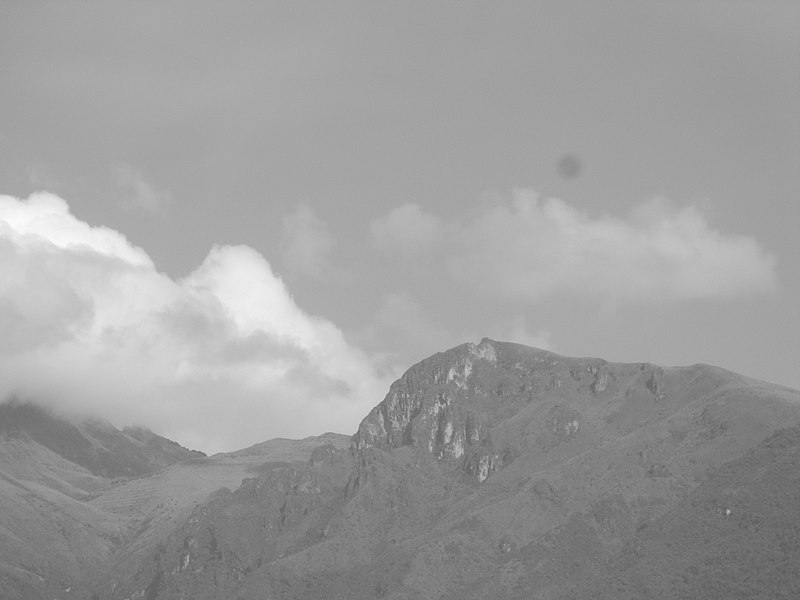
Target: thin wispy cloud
(306, 244)
(518, 330)
(406, 230)
(400, 333)
(42, 178)
(137, 193)
(218, 360)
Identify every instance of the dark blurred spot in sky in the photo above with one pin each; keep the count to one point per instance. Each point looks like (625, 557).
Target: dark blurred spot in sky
(569, 166)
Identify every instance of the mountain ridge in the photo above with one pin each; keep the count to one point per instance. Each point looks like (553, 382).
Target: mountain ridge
(94, 444)
(76, 494)
(488, 470)
(478, 461)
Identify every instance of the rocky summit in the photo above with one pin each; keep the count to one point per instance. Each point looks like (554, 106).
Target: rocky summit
(491, 470)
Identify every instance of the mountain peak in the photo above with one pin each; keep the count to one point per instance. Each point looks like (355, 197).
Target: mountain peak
(478, 406)
(446, 404)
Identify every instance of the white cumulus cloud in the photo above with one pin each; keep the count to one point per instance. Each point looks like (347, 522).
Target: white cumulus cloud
(218, 360)
(529, 249)
(406, 229)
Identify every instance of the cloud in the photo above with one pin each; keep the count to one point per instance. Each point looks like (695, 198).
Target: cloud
(218, 360)
(530, 249)
(138, 193)
(41, 178)
(400, 334)
(407, 230)
(518, 331)
(306, 244)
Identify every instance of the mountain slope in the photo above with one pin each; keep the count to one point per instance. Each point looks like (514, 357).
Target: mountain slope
(95, 445)
(49, 468)
(496, 470)
(80, 497)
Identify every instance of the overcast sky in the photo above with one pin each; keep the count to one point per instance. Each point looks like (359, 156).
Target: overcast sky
(232, 221)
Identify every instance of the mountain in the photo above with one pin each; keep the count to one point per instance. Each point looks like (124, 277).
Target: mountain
(77, 496)
(96, 445)
(497, 470)
(50, 467)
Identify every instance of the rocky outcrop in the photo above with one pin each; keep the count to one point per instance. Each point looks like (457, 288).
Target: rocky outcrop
(448, 406)
(432, 408)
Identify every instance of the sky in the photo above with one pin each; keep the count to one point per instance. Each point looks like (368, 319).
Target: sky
(237, 221)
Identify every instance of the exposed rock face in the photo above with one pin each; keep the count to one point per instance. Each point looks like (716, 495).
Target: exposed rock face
(448, 404)
(429, 408)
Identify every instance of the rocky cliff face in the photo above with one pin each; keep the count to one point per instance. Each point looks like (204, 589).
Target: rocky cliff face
(436, 408)
(448, 405)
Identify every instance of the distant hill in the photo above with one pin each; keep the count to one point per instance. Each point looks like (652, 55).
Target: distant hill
(95, 445)
(78, 496)
(488, 471)
(501, 471)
